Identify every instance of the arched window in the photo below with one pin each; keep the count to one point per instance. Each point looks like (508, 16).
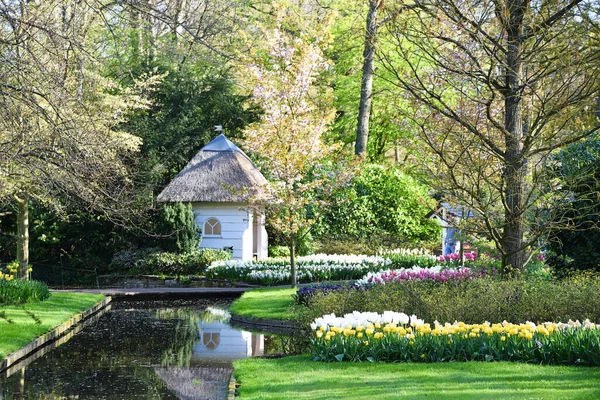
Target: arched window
(212, 227)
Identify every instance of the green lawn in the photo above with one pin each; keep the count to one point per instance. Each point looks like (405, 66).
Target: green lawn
(300, 378)
(52, 312)
(264, 303)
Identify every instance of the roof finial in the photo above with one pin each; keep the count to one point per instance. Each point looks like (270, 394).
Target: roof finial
(218, 128)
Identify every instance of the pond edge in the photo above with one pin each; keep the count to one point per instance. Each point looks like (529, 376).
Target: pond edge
(55, 334)
(285, 327)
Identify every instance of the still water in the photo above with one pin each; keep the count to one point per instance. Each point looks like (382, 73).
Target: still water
(142, 350)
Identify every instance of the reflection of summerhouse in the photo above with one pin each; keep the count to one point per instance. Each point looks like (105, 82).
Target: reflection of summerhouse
(219, 341)
(218, 182)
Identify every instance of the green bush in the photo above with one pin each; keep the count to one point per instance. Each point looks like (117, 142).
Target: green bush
(192, 263)
(472, 301)
(372, 245)
(345, 245)
(380, 201)
(279, 251)
(305, 245)
(20, 291)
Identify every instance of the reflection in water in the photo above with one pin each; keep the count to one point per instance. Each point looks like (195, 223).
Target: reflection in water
(145, 350)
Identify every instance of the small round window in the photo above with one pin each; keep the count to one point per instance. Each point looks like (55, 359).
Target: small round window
(212, 227)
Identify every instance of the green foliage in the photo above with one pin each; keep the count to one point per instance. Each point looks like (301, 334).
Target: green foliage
(473, 301)
(185, 107)
(577, 245)
(388, 127)
(21, 291)
(279, 251)
(375, 244)
(177, 223)
(381, 201)
(192, 263)
(305, 245)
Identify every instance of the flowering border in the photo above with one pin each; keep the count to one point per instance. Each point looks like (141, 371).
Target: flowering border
(396, 337)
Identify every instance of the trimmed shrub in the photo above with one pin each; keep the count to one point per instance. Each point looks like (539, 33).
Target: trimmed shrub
(20, 291)
(472, 301)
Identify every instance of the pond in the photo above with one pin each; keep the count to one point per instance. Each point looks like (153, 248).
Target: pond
(176, 349)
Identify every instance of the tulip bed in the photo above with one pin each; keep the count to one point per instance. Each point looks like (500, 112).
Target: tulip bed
(436, 274)
(396, 337)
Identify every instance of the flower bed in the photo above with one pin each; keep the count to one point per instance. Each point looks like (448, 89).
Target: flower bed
(315, 268)
(396, 337)
(436, 274)
(401, 264)
(305, 295)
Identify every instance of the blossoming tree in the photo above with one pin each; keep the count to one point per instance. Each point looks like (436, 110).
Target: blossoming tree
(297, 111)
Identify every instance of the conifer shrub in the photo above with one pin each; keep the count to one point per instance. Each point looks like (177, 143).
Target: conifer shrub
(177, 225)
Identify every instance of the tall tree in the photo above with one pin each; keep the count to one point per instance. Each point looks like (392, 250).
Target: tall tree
(56, 113)
(368, 71)
(498, 86)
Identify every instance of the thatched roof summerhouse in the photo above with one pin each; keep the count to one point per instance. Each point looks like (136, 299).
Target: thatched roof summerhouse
(219, 182)
(219, 173)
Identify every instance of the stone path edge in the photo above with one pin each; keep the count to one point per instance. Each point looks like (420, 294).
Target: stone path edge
(53, 335)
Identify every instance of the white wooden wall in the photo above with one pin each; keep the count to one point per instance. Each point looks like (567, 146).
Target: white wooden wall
(236, 229)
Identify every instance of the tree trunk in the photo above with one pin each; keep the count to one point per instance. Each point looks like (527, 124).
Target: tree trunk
(515, 164)
(293, 260)
(23, 236)
(366, 88)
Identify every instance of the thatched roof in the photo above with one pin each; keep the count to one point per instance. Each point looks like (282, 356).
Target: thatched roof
(220, 172)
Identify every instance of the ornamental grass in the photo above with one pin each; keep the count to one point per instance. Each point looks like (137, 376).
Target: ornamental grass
(395, 337)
